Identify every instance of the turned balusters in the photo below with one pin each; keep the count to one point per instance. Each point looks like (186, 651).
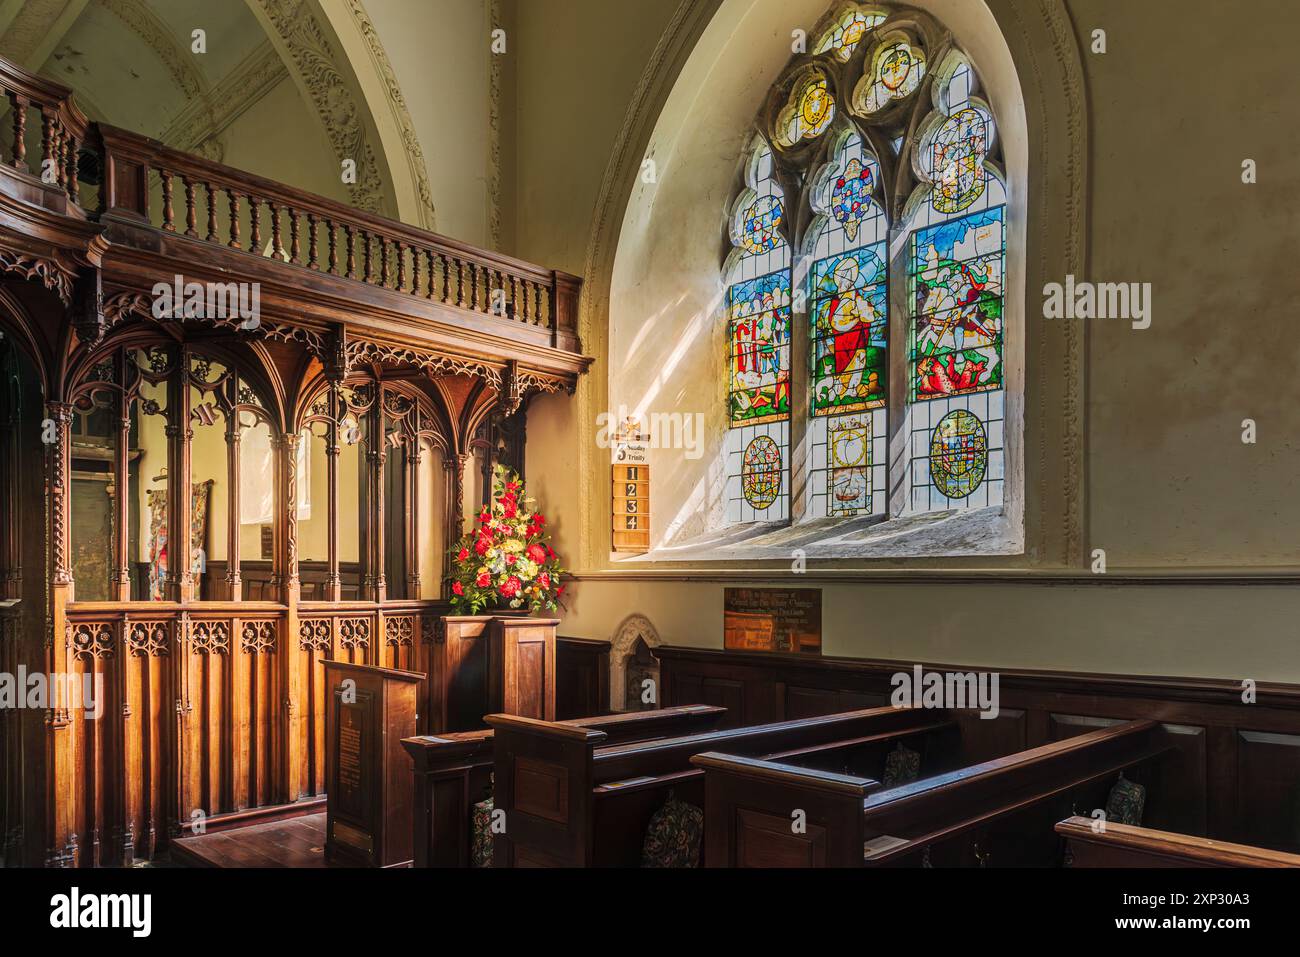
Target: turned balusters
(20, 131)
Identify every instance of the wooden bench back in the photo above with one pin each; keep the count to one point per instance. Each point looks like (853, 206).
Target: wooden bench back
(608, 794)
(765, 813)
(449, 771)
(1123, 845)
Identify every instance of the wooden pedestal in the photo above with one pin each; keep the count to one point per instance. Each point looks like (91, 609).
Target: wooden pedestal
(491, 664)
(367, 773)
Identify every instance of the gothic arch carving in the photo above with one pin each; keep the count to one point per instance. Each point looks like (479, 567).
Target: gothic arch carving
(633, 629)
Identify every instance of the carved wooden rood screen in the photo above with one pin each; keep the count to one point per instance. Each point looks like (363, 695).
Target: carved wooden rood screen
(200, 504)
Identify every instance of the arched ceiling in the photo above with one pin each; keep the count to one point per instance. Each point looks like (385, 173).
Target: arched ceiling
(275, 93)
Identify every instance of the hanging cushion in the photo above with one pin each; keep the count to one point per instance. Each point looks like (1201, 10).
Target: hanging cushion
(1126, 802)
(674, 835)
(901, 766)
(480, 851)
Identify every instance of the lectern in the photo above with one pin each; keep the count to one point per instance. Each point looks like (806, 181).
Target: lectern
(491, 664)
(367, 773)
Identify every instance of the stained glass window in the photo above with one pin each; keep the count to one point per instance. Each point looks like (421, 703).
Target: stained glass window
(758, 304)
(956, 258)
(808, 112)
(848, 306)
(758, 473)
(759, 331)
(846, 31)
(956, 282)
(897, 68)
(903, 216)
(955, 453)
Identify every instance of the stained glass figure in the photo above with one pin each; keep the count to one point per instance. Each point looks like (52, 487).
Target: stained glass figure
(759, 359)
(844, 35)
(850, 296)
(808, 112)
(897, 68)
(956, 282)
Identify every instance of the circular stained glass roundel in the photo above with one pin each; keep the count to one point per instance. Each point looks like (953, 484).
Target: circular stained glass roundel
(760, 472)
(959, 454)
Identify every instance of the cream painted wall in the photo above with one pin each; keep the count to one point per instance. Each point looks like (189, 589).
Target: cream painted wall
(1171, 490)
(439, 49)
(278, 137)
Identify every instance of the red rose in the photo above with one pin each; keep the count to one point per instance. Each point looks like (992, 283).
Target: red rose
(544, 580)
(511, 487)
(511, 587)
(481, 546)
(483, 580)
(510, 559)
(510, 510)
(550, 552)
(539, 520)
(484, 515)
(462, 554)
(457, 589)
(537, 553)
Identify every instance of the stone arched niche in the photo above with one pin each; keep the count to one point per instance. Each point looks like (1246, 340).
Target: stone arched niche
(629, 650)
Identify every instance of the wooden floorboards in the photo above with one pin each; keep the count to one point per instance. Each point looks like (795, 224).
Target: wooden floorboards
(292, 842)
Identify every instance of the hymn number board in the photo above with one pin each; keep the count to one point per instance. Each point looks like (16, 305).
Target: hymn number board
(631, 493)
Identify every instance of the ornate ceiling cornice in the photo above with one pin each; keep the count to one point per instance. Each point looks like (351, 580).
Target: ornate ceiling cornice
(196, 129)
(144, 23)
(314, 61)
(397, 103)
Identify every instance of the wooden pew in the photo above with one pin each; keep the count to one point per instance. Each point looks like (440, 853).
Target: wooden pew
(998, 812)
(450, 770)
(1122, 845)
(571, 800)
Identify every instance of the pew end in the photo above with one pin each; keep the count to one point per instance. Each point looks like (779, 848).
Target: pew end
(768, 814)
(544, 787)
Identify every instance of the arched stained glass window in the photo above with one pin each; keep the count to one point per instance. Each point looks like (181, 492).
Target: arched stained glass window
(758, 303)
(848, 304)
(896, 207)
(956, 258)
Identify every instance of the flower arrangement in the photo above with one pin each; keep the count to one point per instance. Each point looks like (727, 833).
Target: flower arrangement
(507, 559)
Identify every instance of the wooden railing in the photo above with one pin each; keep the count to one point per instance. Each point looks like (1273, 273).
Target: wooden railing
(149, 183)
(46, 131)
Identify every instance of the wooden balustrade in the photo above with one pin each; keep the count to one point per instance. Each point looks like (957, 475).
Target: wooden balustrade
(292, 226)
(41, 106)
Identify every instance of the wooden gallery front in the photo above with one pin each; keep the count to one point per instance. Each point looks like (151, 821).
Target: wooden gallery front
(205, 496)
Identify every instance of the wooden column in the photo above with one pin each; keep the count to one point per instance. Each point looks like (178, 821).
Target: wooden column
(122, 477)
(180, 577)
(412, 496)
(291, 748)
(61, 761)
(333, 582)
(234, 584)
(376, 457)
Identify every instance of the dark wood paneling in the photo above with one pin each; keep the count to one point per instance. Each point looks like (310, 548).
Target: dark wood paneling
(1234, 770)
